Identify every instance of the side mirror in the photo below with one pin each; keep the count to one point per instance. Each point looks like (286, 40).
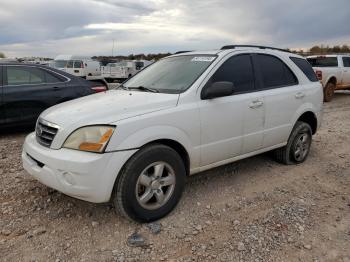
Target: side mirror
(217, 89)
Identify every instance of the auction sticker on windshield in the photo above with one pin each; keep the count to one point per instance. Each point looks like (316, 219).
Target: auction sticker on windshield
(203, 59)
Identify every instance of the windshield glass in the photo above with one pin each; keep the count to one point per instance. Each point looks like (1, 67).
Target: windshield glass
(60, 63)
(323, 61)
(173, 74)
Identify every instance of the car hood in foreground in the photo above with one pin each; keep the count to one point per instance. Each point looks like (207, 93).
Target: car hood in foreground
(107, 107)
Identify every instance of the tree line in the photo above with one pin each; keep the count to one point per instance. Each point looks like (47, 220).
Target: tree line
(315, 50)
(323, 50)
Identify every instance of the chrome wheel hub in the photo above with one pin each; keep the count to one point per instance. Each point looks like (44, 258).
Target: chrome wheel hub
(302, 147)
(155, 185)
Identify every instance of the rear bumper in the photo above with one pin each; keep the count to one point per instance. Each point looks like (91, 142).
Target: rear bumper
(83, 175)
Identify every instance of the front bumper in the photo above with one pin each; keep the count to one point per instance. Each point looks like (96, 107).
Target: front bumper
(83, 175)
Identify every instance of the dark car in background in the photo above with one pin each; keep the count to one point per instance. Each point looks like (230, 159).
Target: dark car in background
(27, 90)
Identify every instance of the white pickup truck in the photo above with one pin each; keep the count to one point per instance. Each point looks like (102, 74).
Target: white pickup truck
(333, 71)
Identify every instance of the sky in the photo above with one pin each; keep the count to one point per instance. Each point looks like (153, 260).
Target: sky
(89, 27)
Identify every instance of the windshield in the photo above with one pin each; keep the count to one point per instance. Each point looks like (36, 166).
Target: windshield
(323, 61)
(60, 63)
(173, 74)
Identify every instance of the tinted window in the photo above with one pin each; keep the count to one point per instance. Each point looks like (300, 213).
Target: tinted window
(274, 72)
(305, 66)
(237, 70)
(0, 77)
(322, 61)
(52, 78)
(346, 61)
(20, 75)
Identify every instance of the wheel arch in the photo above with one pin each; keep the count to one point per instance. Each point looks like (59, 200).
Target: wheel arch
(332, 79)
(310, 118)
(178, 147)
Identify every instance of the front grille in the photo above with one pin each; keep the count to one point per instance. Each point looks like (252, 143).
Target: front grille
(45, 132)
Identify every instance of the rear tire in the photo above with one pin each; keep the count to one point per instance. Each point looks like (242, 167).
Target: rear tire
(298, 146)
(328, 92)
(150, 184)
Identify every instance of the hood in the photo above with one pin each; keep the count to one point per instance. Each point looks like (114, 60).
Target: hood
(107, 107)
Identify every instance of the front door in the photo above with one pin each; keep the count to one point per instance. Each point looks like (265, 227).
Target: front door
(2, 108)
(232, 125)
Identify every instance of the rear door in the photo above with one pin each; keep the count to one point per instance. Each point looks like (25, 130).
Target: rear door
(282, 96)
(346, 71)
(26, 93)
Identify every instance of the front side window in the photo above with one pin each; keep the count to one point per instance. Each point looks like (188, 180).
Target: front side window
(274, 72)
(172, 74)
(323, 61)
(20, 75)
(346, 61)
(239, 71)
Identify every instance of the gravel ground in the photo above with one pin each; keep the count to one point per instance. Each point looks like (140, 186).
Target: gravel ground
(252, 210)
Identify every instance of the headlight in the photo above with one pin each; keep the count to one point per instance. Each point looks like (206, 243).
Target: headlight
(90, 138)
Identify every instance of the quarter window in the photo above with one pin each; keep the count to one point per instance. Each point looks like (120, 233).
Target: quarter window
(305, 66)
(274, 72)
(51, 78)
(20, 75)
(237, 70)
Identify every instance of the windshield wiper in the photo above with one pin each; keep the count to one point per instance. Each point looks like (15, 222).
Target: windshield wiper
(143, 88)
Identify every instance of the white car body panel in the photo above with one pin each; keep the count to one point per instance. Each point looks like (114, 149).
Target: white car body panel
(213, 132)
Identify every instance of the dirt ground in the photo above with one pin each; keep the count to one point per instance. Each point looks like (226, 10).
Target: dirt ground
(252, 210)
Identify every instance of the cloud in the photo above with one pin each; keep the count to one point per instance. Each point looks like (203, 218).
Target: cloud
(39, 27)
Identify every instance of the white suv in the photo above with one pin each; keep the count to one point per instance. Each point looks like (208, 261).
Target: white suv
(182, 115)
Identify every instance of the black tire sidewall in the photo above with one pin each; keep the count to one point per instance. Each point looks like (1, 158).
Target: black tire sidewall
(299, 129)
(132, 172)
(329, 87)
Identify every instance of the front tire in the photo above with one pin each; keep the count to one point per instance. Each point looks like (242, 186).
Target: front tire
(150, 184)
(298, 146)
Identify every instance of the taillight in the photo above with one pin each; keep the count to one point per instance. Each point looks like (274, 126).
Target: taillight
(319, 74)
(98, 89)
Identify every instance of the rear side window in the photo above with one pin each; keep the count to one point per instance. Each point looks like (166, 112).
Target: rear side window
(346, 61)
(305, 66)
(323, 61)
(237, 70)
(0, 75)
(20, 75)
(274, 72)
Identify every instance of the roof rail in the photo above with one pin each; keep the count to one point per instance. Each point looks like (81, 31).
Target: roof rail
(255, 46)
(180, 52)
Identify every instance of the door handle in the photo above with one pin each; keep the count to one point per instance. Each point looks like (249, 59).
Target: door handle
(256, 104)
(299, 95)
